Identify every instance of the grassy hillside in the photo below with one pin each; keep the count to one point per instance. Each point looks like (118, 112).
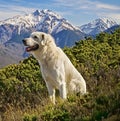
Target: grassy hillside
(24, 97)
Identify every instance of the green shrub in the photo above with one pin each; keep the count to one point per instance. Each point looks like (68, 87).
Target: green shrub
(98, 60)
(28, 117)
(56, 114)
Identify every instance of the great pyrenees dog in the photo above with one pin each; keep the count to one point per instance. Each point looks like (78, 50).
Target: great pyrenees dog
(56, 68)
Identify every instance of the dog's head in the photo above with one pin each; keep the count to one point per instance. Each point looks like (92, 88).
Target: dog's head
(37, 40)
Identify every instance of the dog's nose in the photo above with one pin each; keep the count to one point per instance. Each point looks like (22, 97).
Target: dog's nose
(24, 41)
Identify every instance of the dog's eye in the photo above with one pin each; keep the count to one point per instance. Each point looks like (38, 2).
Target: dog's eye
(35, 37)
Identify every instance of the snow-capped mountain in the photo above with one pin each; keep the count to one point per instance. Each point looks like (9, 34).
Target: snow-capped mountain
(97, 26)
(40, 20)
(45, 20)
(13, 30)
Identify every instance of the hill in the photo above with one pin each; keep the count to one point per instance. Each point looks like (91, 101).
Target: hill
(24, 95)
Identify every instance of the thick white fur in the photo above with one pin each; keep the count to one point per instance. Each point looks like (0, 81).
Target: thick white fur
(57, 70)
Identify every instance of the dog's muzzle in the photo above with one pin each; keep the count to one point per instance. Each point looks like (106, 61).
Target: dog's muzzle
(30, 48)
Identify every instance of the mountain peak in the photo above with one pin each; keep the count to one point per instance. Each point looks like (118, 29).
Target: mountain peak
(47, 10)
(106, 21)
(98, 25)
(40, 20)
(36, 13)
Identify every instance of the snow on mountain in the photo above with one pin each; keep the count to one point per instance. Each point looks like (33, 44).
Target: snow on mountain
(97, 26)
(44, 20)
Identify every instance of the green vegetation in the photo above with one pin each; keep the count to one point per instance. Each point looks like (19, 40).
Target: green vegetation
(24, 97)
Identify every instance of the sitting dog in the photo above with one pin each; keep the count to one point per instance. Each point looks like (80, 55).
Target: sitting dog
(56, 68)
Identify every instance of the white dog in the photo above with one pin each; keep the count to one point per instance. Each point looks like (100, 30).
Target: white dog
(57, 70)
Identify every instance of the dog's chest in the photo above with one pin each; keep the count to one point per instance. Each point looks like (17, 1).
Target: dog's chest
(47, 66)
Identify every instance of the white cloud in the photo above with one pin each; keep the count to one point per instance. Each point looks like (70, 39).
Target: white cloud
(107, 7)
(87, 7)
(69, 8)
(86, 4)
(15, 8)
(8, 11)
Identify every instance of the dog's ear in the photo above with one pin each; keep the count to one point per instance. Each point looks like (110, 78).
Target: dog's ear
(43, 41)
(43, 37)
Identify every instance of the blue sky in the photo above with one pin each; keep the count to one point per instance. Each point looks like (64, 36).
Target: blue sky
(77, 12)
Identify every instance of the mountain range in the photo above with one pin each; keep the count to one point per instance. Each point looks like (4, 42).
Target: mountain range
(97, 26)
(13, 30)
